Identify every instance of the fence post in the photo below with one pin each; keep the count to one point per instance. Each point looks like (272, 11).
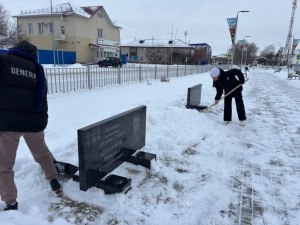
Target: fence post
(140, 73)
(167, 71)
(155, 72)
(46, 74)
(185, 70)
(52, 82)
(89, 77)
(119, 75)
(177, 71)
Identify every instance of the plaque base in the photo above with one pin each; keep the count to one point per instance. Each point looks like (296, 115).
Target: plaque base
(114, 184)
(198, 107)
(142, 159)
(65, 168)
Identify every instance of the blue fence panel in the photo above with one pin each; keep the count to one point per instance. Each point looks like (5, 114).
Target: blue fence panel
(61, 57)
(124, 58)
(3, 50)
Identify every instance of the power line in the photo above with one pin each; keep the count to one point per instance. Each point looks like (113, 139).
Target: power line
(142, 28)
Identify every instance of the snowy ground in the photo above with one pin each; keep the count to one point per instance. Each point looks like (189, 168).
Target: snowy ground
(205, 173)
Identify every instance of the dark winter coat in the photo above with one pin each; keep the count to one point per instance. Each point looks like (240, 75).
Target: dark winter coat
(227, 81)
(19, 110)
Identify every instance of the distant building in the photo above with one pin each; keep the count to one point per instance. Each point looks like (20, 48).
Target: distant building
(87, 31)
(220, 59)
(206, 58)
(158, 51)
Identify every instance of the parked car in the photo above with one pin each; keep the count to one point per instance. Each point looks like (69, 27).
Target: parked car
(111, 61)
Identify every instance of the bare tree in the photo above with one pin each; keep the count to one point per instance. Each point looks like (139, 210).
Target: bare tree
(268, 52)
(252, 50)
(9, 35)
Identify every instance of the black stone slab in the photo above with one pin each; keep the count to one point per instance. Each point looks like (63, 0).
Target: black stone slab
(142, 158)
(114, 184)
(65, 168)
(102, 146)
(194, 97)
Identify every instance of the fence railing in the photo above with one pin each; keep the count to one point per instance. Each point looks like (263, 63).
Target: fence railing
(72, 79)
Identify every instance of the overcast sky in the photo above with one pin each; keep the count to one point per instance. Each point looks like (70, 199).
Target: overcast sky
(204, 20)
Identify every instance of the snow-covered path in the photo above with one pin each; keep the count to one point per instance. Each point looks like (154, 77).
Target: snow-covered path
(271, 166)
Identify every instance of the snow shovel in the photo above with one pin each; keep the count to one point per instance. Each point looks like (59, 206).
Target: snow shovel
(205, 110)
(64, 168)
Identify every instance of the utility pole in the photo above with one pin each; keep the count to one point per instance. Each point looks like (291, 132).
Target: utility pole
(53, 46)
(171, 47)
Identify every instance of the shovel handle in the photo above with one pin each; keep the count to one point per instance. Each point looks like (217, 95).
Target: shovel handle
(205, 110)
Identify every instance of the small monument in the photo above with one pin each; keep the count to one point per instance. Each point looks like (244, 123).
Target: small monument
(194, 98)
(105, 145)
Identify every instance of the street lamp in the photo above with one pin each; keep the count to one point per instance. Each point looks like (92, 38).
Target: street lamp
(288, 59)
(233, 46)
(243, 51)
(246, 56)
(278, 64)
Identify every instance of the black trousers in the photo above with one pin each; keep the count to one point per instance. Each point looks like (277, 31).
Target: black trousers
(240, 108)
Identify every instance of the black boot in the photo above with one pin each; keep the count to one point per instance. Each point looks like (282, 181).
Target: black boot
(56, 186)
(11, 207)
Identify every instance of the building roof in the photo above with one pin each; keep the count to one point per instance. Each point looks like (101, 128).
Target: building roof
(201, 44)
(220, 56)
(65, 8)
(157, 43)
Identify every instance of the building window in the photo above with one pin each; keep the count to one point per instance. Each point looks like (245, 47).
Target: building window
(141, 50)
(62, 30)
(149, 59)
(99, 15)
(149, 50)
(100, 33)
(41, 28)
(50, 28)
(133, 50)
(29, 28)
(141, 59)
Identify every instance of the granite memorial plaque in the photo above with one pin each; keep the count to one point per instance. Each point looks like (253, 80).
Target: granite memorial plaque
(194, 98)
(105, 145)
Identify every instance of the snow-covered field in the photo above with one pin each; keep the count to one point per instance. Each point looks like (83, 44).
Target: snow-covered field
(205, 172)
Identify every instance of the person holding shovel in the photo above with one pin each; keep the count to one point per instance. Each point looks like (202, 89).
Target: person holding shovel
(23, 113)
(227, 81)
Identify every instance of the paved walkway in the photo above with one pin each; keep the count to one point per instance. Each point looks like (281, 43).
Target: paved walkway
(266, 182)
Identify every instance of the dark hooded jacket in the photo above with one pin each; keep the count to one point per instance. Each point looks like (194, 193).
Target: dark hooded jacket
(227, 81)
(19, 108)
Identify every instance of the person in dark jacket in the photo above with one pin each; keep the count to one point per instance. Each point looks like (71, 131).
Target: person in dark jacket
(23, 113)
(225, 82)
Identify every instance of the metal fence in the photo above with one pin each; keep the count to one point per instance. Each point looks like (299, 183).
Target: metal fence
(72, 79)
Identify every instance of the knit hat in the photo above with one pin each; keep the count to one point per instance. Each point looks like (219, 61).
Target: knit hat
(28, 47)
(214, 72)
